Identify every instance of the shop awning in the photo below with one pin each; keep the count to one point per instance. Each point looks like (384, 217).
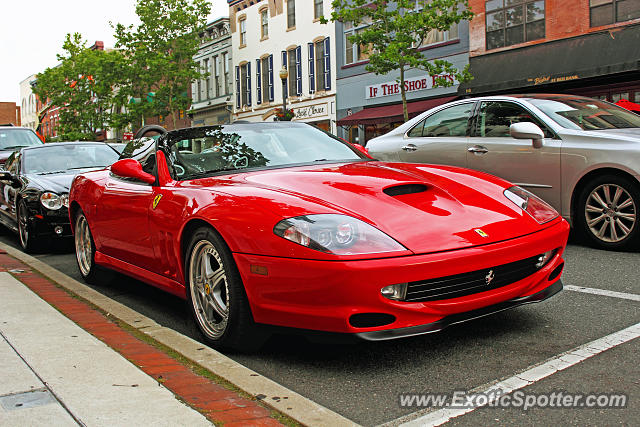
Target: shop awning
(556, 62)
(391, 113)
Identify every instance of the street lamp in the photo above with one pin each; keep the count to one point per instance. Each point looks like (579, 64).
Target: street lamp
(284, 73)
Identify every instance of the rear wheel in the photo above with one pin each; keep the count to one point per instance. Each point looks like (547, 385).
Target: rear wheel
(216, 295)
(608, 212)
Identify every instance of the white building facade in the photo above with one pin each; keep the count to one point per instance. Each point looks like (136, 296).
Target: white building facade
(269, 35)
(28, 103)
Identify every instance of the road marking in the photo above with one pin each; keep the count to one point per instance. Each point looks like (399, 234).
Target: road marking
(595, 291)
(431, 417)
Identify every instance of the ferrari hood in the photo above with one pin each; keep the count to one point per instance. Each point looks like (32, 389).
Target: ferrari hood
(425, 208)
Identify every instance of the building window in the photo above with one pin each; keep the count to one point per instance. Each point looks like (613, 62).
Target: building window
(318, 9)
(322, 66)
(216, 74)
(354, 52)
(264, 23)
(264, 79)
(243, 32)
(243, 84)
(604, 12)
(510, 22)
(226, 63)
(207, 81)
(291, 13)
(292, 67)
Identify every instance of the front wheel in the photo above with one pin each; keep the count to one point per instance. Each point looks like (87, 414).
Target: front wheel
(216, 295)
(608, 212)
(27, 238)
(85, 253)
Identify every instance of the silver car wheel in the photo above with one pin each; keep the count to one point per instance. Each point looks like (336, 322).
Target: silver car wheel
(610, 213)
(23, 226)
(209, 289)
(84, 248)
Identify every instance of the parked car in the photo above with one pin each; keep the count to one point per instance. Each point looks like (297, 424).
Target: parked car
(579, 154)
(13, 138)
(280, 224)
(34, 188)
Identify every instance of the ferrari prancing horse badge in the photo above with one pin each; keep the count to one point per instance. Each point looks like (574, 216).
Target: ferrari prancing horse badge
(156, 200)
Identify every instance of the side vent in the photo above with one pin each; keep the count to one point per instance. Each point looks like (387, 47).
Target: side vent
(400, 190)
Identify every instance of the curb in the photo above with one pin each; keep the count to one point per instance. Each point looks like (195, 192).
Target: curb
(270, 393)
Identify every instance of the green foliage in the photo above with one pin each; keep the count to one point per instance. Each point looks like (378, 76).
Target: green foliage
(160, 52)
(82, 85)
(397, 30)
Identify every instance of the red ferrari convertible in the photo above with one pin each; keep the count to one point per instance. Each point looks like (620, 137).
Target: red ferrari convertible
(280, 224)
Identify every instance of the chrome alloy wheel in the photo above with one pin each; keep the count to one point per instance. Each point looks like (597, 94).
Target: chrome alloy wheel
(23, 226)
(209, 289)
(84, 249)
(610, 213)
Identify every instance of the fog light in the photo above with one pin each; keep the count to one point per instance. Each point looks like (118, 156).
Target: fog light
(58, 229)
(395, 292)
(544, 258)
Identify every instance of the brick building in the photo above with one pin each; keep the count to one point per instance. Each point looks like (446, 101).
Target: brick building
(586, 47)
(9, 113)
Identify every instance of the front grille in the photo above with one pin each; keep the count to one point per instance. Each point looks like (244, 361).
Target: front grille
(460, 285)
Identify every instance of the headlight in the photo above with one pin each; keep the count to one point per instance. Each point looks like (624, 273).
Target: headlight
(336, 234)
(51, 201)
(532, 204)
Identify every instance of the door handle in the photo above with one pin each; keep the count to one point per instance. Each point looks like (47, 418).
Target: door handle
(478, 149)
(410, 147)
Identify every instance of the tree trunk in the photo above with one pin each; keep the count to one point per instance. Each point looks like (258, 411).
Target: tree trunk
(405, 112)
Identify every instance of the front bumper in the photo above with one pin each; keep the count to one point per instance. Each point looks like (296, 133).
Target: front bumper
(389, 334)
(329, 295)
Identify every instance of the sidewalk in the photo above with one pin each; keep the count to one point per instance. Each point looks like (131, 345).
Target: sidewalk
(55, 372)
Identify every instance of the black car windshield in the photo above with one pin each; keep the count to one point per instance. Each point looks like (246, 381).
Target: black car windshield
(204, 151)
(11, 139)
(60, 158)
(586, 114)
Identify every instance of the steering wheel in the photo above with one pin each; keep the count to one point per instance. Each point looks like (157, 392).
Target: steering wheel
(148, 129)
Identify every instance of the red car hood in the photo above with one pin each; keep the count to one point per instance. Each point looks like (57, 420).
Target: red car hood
(442, 211)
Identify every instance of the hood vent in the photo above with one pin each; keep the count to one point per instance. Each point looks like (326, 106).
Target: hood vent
(400, 190)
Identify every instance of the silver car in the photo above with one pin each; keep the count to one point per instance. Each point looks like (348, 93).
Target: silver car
(579, 154)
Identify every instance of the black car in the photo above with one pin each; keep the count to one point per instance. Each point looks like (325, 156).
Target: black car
(34, 187)
(13, 138)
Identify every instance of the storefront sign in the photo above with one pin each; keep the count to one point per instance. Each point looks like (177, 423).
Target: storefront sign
(317, 110)
(413, 84)
(549, 79)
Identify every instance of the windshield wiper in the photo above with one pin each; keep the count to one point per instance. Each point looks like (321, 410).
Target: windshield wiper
(12, 147)
(51, 173)
(87, 167)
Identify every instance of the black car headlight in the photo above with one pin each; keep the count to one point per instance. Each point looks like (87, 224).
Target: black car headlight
(336, 234)
(54, 201)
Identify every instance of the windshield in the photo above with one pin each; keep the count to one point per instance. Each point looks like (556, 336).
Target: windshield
(205, 151)
(586, 113)
(54, 158)
(12, 139)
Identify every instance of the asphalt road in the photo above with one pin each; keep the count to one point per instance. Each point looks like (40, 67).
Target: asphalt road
(363, 381)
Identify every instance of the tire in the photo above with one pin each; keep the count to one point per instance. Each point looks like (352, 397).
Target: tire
(216, 295)
(26, 237)
(86, 251)
(608, 213)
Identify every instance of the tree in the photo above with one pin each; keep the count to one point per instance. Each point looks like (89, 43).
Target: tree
(82, 85)
(397, 31)
(160, 51)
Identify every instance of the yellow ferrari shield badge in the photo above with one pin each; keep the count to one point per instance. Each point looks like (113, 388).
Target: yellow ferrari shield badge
(156, 200)
(480, 232)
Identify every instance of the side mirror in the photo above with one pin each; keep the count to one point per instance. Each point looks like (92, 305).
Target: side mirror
(527, 130)
(130, 168)
(9, 178)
